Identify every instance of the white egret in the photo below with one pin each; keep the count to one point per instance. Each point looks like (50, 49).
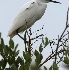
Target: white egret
(28, 15)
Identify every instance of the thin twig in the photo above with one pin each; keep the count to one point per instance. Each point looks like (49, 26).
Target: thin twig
(65, 35)
(60, 60)
(63, 32)
(50, 56)
(37, 37)
(57, 49)
(67, 17)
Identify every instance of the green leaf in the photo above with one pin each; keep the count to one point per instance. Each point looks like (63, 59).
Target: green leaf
(42, 40)
(27, 65)
(55, 67)
(13, 67)
(38, 59)
(40, 48)
(0, 34)
(27, 56)
(67, 52)
(22, 68)
(8, 50)
(50, 68)
(19, 60)
(36, 53)
(16, 53)
(1, 45)
(23, 53)
(16, 47)
(11, 43)
(5, 50)
(3, 63)
(46, 42)
(7, 69)
(45, 68)
(9, 60)
(66, 60)
(2, 42)
(34, 67)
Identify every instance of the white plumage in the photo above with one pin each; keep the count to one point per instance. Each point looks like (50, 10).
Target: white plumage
(27, 16)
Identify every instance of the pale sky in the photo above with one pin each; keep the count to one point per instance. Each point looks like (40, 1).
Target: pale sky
(54, 20)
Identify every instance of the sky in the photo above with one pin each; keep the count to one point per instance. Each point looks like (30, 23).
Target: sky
(54, 20)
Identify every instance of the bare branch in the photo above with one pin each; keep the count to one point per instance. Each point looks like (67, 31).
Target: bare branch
(50, 56)
(67, 17)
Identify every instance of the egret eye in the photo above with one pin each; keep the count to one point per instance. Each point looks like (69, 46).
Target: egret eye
(33, 2)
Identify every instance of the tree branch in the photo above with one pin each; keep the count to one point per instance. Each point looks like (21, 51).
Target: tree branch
(50, 56)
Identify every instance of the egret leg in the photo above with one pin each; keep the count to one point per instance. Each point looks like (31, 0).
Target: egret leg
(19, 35)
(22, 39)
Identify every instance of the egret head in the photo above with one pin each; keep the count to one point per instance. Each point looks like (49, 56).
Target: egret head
(53, 1)
(47, 1)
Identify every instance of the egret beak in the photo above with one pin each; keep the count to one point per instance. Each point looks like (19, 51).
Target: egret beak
(55, 2)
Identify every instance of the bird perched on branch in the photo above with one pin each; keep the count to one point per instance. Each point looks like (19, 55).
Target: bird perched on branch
(28, 15)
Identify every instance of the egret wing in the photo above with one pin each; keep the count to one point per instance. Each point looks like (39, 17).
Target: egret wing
(26, 13)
